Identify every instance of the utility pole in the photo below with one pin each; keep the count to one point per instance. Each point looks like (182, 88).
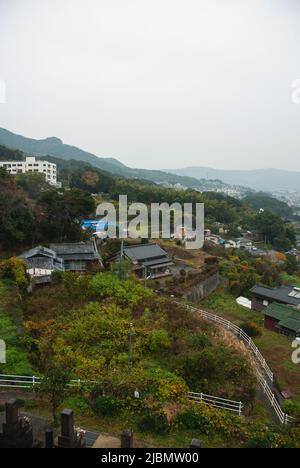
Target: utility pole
(130, 335)
(122, 250)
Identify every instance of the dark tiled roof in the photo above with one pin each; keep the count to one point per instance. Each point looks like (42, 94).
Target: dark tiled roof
(280, 294)
(76, 251)
(144, 252)
(43, 251)
(78, 247)
(288, 317)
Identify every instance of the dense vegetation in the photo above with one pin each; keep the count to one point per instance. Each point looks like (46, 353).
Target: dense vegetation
(34, 208)
(263, 201)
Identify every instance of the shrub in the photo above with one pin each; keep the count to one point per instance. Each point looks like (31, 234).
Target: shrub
(158, 341)
(198, 341)
(251, 329)
(187, 419)
(155, 423)
(29, 404)
(107, 406)
(15, 270)
(79, 404)
(292, 408)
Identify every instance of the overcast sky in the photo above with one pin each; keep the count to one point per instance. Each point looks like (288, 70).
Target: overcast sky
(156, 83)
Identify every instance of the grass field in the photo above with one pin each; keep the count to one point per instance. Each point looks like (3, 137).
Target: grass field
(294, 280)
(275, 348)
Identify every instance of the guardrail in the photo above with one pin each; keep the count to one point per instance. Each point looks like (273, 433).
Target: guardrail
(226, 324)
(282, 416)
(216, 402)
(30, 382)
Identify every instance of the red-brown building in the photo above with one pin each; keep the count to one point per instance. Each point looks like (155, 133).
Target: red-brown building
(282, 319)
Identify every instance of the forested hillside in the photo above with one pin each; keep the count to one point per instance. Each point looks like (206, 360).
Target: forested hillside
(37, 212)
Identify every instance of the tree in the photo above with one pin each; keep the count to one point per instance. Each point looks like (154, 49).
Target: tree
(16, 213)
(59, 214)
(54, 385)
(291, 264)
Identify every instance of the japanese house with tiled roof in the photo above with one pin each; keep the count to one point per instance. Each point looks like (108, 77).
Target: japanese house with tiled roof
(262, 296)
(282, 319)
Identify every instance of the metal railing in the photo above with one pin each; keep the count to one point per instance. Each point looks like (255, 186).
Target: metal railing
(227, 325)
(216, 402)
(282, 416)
(30, 382)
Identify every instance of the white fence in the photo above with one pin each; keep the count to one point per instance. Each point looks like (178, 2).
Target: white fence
(216, 402)
(283, 417)
(239, 333)
(227, 325)
(29, 382)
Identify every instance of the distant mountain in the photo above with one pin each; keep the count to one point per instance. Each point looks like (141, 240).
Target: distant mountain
(269, 180)
(56, 148)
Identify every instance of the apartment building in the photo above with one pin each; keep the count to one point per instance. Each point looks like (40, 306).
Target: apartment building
(31, 164)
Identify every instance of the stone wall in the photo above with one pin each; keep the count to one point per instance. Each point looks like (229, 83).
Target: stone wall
(203, 288)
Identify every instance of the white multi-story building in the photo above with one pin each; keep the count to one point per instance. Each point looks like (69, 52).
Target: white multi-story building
(32, 165)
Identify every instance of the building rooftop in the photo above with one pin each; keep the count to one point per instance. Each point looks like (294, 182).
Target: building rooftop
(288, 317)
(39, 250)
(286, 294)
(77, 250)
(144, 251)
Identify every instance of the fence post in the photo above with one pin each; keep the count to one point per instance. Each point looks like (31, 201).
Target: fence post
(265, 386)
(240, 408)
(273, 399)
(201, 396)
(33, 381)
(286, 418)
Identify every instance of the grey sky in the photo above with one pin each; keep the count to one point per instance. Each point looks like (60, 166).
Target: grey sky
(156, 83)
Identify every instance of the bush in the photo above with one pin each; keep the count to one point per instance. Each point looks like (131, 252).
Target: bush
(187, 419)
(292, 408)
(15, 270)
(107, 406)
(251, 329)
(29, 404)
(78, 404)
(198, 341)
(154, 423)
(158, 341)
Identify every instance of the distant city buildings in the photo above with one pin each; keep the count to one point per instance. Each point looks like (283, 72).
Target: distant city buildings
(32, 165)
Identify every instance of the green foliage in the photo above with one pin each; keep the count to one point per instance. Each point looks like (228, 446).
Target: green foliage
(14, 269)
(291, 265)
(212, 371)
(198, 341)
(251, 329)
(155, 423)
(262, 200)
(54, 385)
(207, 421)
(159, 341)
(109, 285)
(106, 406)
(16, 214)
(241, 275)
(292, 408)
(79, 404)
(17, 361)
(274, 230)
